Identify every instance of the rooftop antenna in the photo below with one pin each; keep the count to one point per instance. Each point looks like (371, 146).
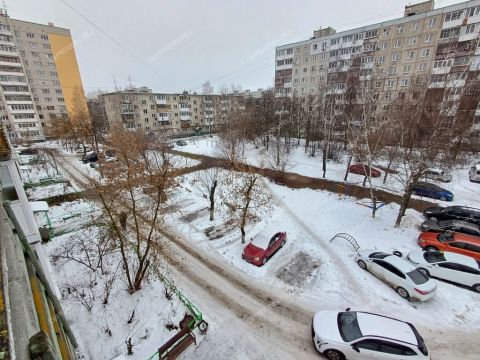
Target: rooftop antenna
(4, 7)
(115, 82)
(130, 81)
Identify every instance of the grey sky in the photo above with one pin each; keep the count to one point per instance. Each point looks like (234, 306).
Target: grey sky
(178, 44)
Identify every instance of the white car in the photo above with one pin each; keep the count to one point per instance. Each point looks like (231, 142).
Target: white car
(399, 273)
(474, 173)
(457, 268)
(356, 335)
(437, 175)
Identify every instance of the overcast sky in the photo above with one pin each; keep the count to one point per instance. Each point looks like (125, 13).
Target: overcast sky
(176, 45)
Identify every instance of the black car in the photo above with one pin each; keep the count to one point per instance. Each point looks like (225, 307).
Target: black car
(181, 143)
(90, 158)
(464, 213)
(453, 225)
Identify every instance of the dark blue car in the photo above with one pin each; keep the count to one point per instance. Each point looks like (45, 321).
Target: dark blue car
(432, 191)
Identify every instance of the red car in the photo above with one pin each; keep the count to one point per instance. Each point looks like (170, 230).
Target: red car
(364, 170)
(451, 241)
(262, 247)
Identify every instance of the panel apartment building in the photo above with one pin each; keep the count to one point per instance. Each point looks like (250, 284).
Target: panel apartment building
(170, 114)
(440, 45)
(39, 77)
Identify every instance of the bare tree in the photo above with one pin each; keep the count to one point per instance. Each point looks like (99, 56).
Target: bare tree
(247, 196)
(137, 184)
(207, 182)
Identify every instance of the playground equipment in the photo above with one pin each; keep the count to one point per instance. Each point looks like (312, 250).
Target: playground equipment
(185, 337)
(349, 238)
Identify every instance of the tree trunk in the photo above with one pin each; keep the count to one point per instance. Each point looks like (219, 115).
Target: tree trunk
(212, 199)
(324, 159)
(386, 171)
(348, 165)
(404, 205)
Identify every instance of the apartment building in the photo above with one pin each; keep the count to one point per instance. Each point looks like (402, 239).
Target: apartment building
(439, 46)
(171, 114)
(41, 62)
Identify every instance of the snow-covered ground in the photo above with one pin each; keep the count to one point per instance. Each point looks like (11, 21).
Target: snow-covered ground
(465, 192)
(318, 273)
(325, 274)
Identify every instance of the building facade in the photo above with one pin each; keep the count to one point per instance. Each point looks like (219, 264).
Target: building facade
(170, 114)
(435, 48)
(39, 77)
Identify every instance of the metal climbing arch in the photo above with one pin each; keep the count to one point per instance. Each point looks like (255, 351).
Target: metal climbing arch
(349, 238)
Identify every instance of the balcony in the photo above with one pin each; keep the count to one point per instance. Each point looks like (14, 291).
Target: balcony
(11, 64)
(9, 53)
(24, 102)
(23, 111)
(160, 101)
(16, 72)
(162, 118)
(185, 117)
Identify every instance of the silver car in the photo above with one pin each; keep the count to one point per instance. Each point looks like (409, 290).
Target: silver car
(437, 175)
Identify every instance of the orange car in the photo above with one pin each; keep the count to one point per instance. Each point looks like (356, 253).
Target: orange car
(451, 241)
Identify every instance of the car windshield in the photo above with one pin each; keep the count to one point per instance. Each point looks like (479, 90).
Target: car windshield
(444, 237)
(417, 277)
(433, 256)
(348, 326)
(421, 343)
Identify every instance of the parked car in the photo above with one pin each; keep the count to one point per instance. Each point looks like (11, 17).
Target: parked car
(29, 151)
(90, 158)
(451, 241)
(110, 153)
(474, 173)
(452, 225)
(263, 246)
(457, 212)
(362, 169)
(407, 281)
(437, 175)
(181, 143)
(432, 191)
(456, 268)
(356, 335)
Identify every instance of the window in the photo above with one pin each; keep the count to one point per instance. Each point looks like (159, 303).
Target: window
(473, 248)
(464, 60)
(371, 34)
(381, 59)
(35, 54)
(448, 33)
(404, 82)
(412, 40)
(40, 73)
(30, 35)
(46, 91)
(397, 43)
(455, 15)
(392, 70)
(348, 326)
(410, 55)
(50, 107)
(415, 26)
(432, 21)
(400, 29)
(44, 37)
(383, 46)
(33, 45)
(428, 37)
(425, 52)
(386, 31)
(470, 29)
(406, 69)
(474, 11)
(390, 83)
(395, 57)
(334, 41)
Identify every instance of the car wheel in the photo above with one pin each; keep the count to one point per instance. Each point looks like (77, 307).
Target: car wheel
(424, 271)
(431, 248)
(333, 355)
(443, 198)
(402, 292)
(362, 264)
(476, 288)
(397, 253)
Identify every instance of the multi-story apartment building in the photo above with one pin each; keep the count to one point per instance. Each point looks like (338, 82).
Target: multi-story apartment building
(439, 46)
(41, 62)
(177, 113)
